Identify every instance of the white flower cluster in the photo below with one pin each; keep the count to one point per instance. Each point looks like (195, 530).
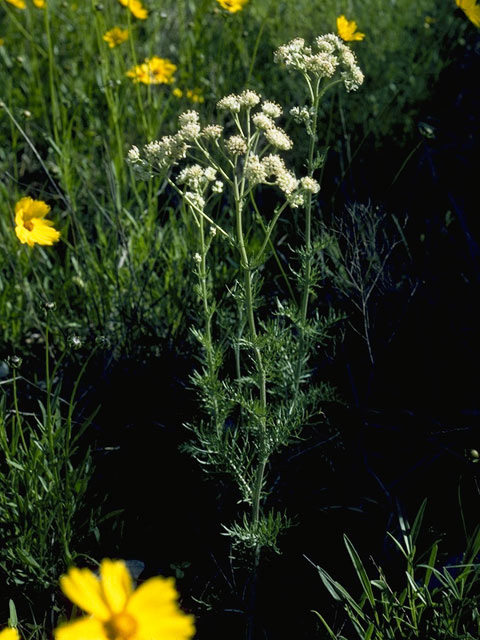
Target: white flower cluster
(189, 125)
(263, 120)
(158, 155)
(302, 115)
(236, 145)
(278, 138)
(271, 109)
(272, 170)
(196, 177)
(328, 54)
(138, 164)
(212, 131)
(234, 103)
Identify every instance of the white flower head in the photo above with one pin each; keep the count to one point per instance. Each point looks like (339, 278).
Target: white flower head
(262, 121)
(249, 99)
(273, 164)
(188, 117)
(296, 200)
(271, 109)
(255, 171)
(195, 200)
(190, 131)
(212, 131)
(236, 145)
(133, 155)
(322, 64)
(287, 182)
(310, 185)
(293, 54)
(217, 186)
(165, 152)
(192, 176)
(278, 139)
(230, 103)
(210, 174)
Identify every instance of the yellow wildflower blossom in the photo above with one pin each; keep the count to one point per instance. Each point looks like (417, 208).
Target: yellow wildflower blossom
(39, 3)
(115, 36)
(136, 7)
(471, 9)
(232, 5)
(30, 226)
(347, 29)
(20, 4)
(177, 92)
(9, 634)
(118, 612)
(153, 71)
(195, 95)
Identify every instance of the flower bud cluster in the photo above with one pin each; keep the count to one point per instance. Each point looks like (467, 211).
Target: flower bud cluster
(302, 115)
(328, 54)
(158, 154)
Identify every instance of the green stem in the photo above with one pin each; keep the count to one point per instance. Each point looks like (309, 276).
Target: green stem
(202, 273)
(262, 383)
(18, 419)
(51, 77)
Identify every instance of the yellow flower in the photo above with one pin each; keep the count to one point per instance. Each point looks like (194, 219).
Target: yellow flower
(195, 95)
(39, 3)
(31, 228)
(9, 634)
(136, 7)
(153, 71)
(471, 9)
(232, 5)
(347, 29)
(177, 92)
(20, 4)
(117, 612)
(115, 36)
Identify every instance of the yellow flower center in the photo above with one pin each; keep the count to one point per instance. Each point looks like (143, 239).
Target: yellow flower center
(28, 224)
(121, 626)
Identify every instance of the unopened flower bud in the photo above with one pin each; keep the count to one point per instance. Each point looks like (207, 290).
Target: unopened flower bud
(74, 342)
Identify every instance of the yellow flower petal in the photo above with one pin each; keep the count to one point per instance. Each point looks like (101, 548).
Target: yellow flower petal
(116, 584)
(39, 3)
(9, 634)
(84, 589)
(154, 606)
(347, 29)
(115, 36)
(82, 629)
(32, 208)
(232, 5)
(20, 4)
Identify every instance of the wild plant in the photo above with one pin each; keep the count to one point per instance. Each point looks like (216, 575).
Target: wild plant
(359, 248)
(435, 603)
(47, 518)
(254, 382)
